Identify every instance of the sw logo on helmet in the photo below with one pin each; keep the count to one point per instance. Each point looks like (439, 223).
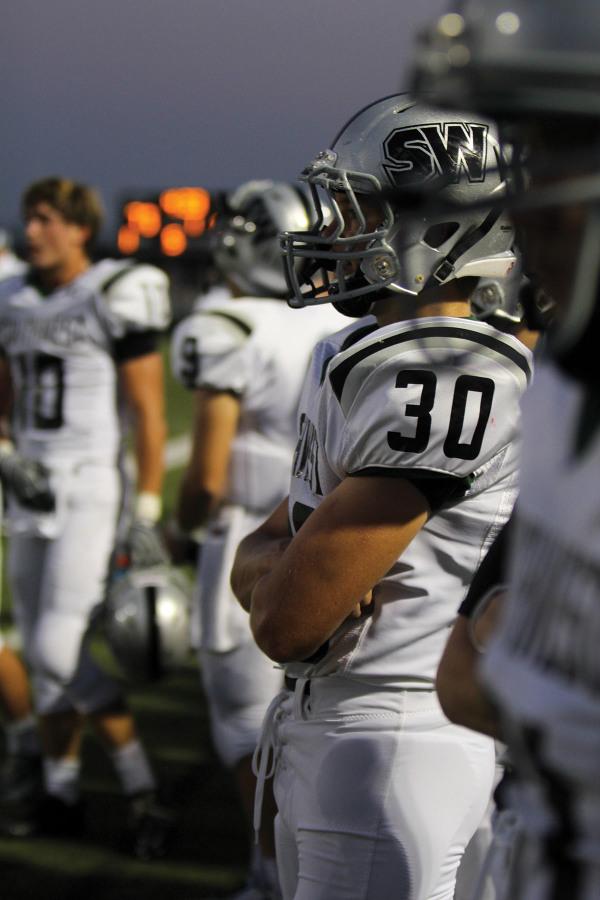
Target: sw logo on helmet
(416, 155)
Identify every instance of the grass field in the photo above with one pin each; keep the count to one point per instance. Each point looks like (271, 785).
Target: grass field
(210, 845)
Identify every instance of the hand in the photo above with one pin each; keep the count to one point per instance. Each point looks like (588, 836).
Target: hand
(145, 545)
(29, 481)
(181, 546)
(363, 607)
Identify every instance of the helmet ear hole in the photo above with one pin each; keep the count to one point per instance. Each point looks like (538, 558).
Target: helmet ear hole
(147, 622)
(438, 234)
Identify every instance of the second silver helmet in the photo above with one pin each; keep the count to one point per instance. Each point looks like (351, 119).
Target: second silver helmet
(247, 241)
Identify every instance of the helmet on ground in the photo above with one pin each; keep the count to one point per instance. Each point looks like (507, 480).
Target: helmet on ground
(247, 235)
(370, 238)
(147, 622)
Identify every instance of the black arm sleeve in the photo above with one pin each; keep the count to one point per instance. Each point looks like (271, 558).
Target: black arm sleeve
(490, 572)
(136, 343)
(437, 488)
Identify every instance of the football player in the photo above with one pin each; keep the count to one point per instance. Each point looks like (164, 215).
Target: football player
(535, 66)
(405, 469)
(76, 336)
(246, 374)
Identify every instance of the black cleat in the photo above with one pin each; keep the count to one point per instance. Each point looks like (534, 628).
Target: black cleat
(21, 793)
(150, 826)
(59, 819)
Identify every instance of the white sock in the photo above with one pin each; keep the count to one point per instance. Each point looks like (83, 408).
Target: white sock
(133, 768)
(61, 777)
(22, 737)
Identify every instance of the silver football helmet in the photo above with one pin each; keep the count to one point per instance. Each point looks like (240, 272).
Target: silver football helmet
(247, 237)
(385, 155)
(534, 65)
(513, 58)
(147, 622)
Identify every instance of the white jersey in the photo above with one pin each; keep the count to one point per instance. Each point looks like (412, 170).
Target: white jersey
(11, 265)
(435, 401)
(543, 665)
(257, 349)
(62, 350)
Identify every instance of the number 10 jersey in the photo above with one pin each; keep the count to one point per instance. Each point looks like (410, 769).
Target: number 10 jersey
(434, 401)
(63, 351)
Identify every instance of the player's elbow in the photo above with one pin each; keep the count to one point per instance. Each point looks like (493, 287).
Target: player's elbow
(271, 640)
(278, 641)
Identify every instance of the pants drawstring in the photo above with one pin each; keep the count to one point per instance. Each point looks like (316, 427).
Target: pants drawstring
(264, 758)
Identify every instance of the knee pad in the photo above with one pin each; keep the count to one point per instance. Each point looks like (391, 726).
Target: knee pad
(65, 675)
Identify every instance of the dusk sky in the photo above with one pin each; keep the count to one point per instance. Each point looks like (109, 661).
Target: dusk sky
(144, 94)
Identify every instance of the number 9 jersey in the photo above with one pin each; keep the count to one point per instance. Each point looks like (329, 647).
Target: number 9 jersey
(434, 401)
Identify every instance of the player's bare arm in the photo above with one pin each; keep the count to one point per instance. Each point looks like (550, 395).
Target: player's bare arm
(344, 548)
(460, 693)
(259, 552)
(459, 687)
(216, 419)
(142, 384)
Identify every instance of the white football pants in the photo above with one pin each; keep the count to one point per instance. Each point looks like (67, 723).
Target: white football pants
(378, 794)
(57, 585)
(238, 679)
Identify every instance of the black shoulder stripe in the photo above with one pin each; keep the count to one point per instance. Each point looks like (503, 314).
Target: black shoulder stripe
(350, 340)
(340, 373)
(243, 326)
(300, 513)
(324, 367)
(116, 276)
(355, 336)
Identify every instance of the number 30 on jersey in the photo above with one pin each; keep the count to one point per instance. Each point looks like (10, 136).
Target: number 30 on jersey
(466, 387)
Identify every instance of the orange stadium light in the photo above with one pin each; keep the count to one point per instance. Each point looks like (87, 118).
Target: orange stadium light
(128, 240)
(144, 217)
(173, 241)
(186, 203)
(194, 227)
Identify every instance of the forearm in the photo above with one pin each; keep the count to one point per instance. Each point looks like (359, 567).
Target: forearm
(258, 553)
(460, 691)
(344, 548)
(254, 559)
(149, 446)
(142, 384)
(205, 482)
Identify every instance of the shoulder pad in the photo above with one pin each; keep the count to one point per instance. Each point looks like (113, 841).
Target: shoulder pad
(441, 396)
(216, 332)
(203, 346)
(138, 299)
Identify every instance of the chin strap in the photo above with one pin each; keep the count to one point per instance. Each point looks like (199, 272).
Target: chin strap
(354, 309)
(472, 236)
